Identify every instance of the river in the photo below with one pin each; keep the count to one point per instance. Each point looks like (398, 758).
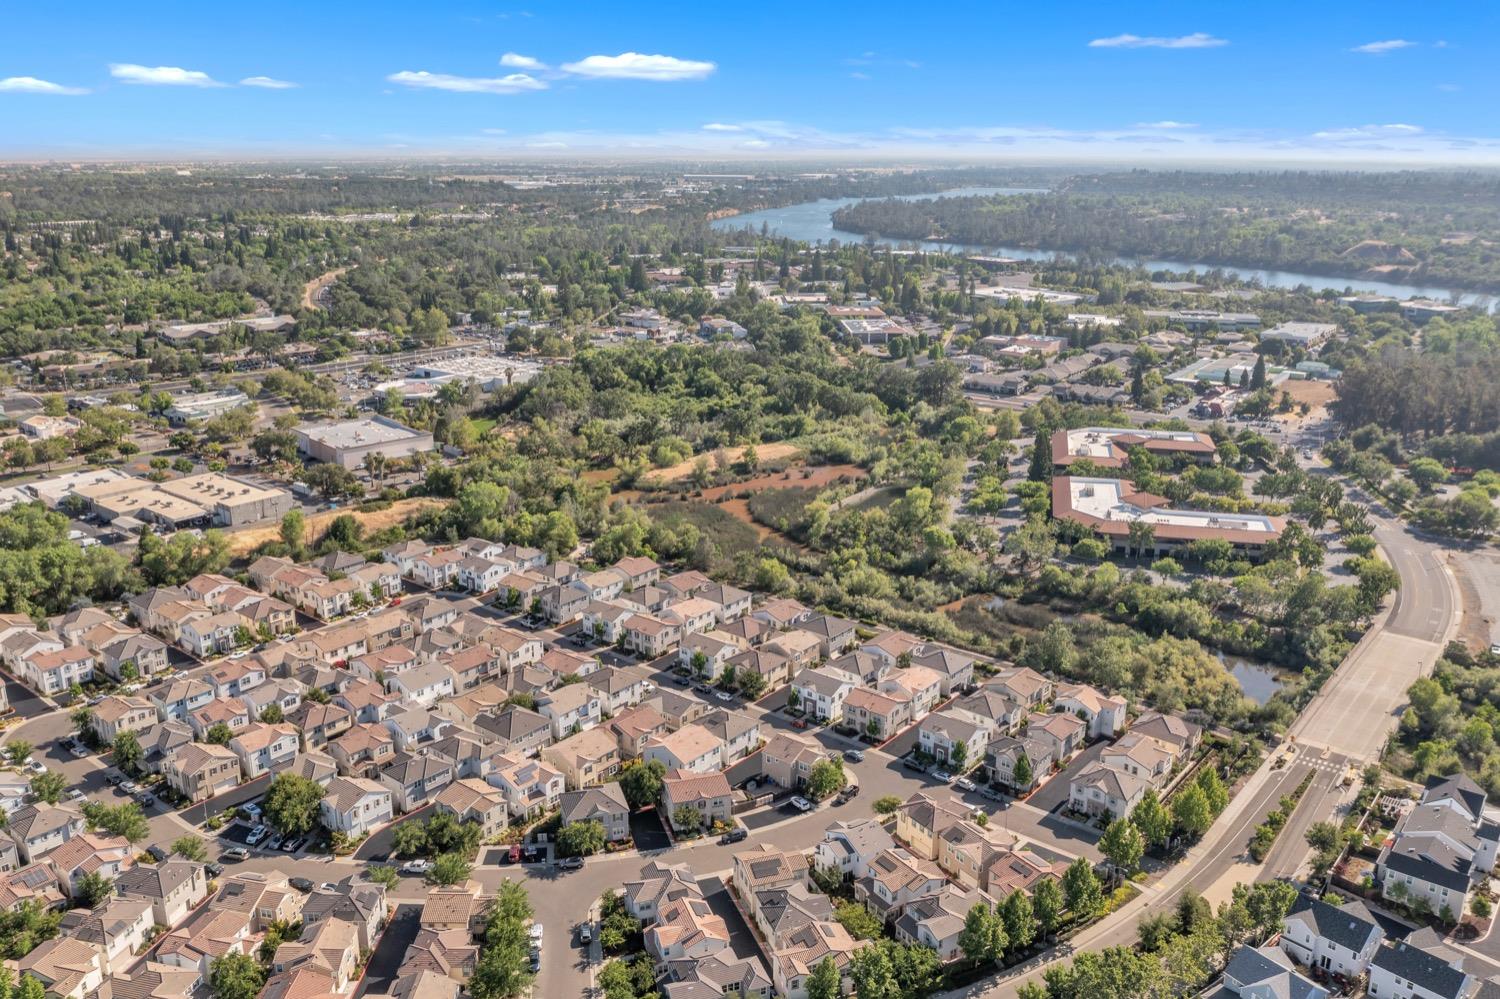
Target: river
(812, 222)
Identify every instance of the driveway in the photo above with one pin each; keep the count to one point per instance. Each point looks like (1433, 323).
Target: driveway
(390, 951)
(741, 938)
(200, 813)
(25, 702)
(1051, 795)
(646, 829)
(382, 840)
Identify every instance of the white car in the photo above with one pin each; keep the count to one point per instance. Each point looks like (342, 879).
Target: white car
(964, 784)
(256, 835)
(801, 804)
(536, 934)
(415, 867)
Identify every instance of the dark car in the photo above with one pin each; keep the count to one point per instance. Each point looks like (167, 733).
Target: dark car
(214, 870)
(854, 756)
(157, 854)
(734, 836)
(303, 885)
(570, 863)
(913, 764)
(114, 780)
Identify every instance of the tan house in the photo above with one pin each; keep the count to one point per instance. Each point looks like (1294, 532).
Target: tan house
(470, 800)
(922, 819)
(710, 794)
(199, 771)
(588, 758)
(786, 760)
(117, 713)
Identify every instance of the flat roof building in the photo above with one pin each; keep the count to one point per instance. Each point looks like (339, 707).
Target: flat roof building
(346, 443)
(1206, 319)
(207, 500)
(488, 371)
(204, 405)
(1305, 335)
(1109, 447)
(1111, 506)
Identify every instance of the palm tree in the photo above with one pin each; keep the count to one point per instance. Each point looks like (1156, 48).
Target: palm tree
(375, 464)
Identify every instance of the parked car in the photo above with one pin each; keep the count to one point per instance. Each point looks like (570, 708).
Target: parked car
(801, 804)
(964, 784)
(851, 791)
(75, 795)
(304, 885)
(115, 779)
(586, 933)
(799, 723)
(157, 853)
(536, 961)
(415, 867)
(854, 756)
(78, 751)
(146, 798)
(293, 845)
(723, 695)
(535, 933)
(735, 836)
(256, 835)
(912, 763)
(681, 681)
(274, 843)
(570, 864)
(236, 853)
(943, 776)
(214, 870)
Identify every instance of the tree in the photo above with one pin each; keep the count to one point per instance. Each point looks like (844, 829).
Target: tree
(383, 874)
(1019, 917)
(409, 839)
(294, 531)
(983, 936)
(1041, 457)
(17, 751)
(859, 921)
(190, 848)
(292, 804)
(1480, 906)
(1152, 819)
(687, 818)
(1123, 845)
(1081, 890)
(235, 976)
(886, 804)
(272, 714)
(1047, 905)
(127, 752)
(449, 869)
(127, 821)
(959, 755)
(642, 783)
(49, 786)
(824, 982)
(1020, 774)
(871, 973)
(30, 987)
(1191, 812)
(826, 778)
(1214, 791)
(92, 888)
(580, 839)
(750, 683)
(218, 734)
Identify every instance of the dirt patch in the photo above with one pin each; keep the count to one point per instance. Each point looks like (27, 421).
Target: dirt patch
(681, 470)
(244, 542)
(816, 477)
(1317, 394)
(740, 510)
(314, 289)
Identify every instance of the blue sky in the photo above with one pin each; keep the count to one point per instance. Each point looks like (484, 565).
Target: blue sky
(1088, 81)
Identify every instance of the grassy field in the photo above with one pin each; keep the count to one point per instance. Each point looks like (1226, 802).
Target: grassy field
(730, 534)
(483, 426)
(245, 542)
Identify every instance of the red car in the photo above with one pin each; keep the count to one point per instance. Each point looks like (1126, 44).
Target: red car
(799, 723)
(515, 853)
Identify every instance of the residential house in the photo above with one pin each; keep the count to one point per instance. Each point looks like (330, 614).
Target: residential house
(651, 636)
(571, 708)
(515, 730)
(686, 929)
(922, 688)
(1004, 714)
(585, 759)
(329, 945)
(1065, 733)
(40, 828)
(1023, 685)
(1441, 849)
(1174, 731)
(320, 724)
(226, 711)
(894, 648)
(180, 698)
(618, 687)
(1404, 970)
(848, 847)
(363, 750)
(1103, 790)
(531, 786)
(955, 738)
(173, 887)
(894, 879)
(639, 571)
(937, 921)
(771, 666)
(782, 613)
(658, 885)
(1142, 756)
(422, 685)
(691, 747)
(1267, 973)
(604, 804)
(67, 967)
(1001, 757)
(141, 654)
(762, 867)
(262, 747)
(868, 668)
(415, 781)
(834, 634)
(1104, 713)
(199, 771)
(718, 975)
(786, 760)
(1334, 939)
(921, 820)
(707, 793)
(355, 806)
(820, 692)
(116, 928)
(117, 713)
(89, 853)
(730, 602)
(634, 727)
(954, 667)
(706, 653)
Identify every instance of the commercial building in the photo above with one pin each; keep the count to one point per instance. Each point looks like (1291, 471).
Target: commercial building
(180, 333)
(193, 406)
(874, 331)
(347, 443)
(1304, 335)
(206, 500)
(1113, 506)
(1206, 319)
(1109, 447)
(487, 371)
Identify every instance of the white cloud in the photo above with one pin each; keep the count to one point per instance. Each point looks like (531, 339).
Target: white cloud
(513, 83)
(1395, 129)
(268, 83)
(493, 131)
(1197, 40)
(546, 145)
(31, 85)
(636, 66)
(1166, 124)
(516, 61)
(1449, 88)
(1381, 48)
(718, 126)
(857, 75)
(161, 76)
